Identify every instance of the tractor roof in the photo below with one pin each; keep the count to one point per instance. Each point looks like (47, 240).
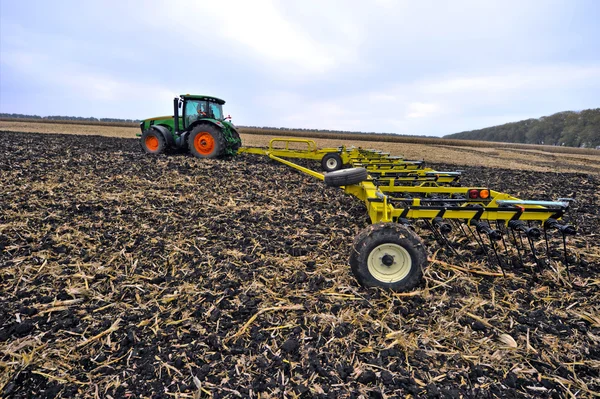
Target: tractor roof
(201, 97)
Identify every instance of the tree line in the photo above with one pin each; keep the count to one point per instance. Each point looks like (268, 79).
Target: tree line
(568, 128)
(67, 118)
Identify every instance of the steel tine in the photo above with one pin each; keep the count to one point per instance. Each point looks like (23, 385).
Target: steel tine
(566, 256)
(449, 244)
(504, 242)
(546, 238)
(533, 252)
(433, 230)
(518, 248)
(460, 226)
(481, 245)
(493, 245)
(482, 242)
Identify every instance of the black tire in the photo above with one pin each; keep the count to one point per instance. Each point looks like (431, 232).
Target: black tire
(153, 142)
(206, 141)
(346, 177)
(238, 140)
(400, 266)
(331, 162)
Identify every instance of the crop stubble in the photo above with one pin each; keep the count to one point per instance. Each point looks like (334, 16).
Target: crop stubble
(124, 274)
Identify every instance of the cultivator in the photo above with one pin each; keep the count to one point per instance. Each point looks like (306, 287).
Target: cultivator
(403, 197)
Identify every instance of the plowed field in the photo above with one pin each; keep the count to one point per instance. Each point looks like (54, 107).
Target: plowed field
(126, 275)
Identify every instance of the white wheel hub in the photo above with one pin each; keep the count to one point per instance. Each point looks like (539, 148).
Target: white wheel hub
(332, 163)
(389, 263)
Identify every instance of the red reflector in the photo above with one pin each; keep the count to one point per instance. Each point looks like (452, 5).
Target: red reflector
(473, 194)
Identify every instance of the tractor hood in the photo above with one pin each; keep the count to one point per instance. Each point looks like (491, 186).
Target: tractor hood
(159, 118)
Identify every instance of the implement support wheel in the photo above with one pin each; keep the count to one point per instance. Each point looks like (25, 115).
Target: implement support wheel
(388, 255)
(346, 177)
(331, 162)
(206, 141)
(153, 142)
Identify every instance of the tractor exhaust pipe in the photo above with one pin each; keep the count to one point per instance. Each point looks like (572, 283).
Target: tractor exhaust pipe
(176, 115)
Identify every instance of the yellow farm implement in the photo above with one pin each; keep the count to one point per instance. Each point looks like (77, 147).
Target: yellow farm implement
(399, 193)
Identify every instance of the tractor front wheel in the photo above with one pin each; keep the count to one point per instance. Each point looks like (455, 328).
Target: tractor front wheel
(153, 142)
(389, 256)
(238, 140)
(206, 141)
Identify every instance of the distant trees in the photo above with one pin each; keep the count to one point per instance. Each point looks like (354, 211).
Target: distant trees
(569, 128)
(66, 118)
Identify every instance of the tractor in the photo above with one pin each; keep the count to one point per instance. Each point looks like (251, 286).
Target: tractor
(197, 126)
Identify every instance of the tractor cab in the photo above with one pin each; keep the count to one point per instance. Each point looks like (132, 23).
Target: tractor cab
(194, 108)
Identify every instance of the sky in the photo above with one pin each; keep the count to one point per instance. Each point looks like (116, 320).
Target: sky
(428, 67)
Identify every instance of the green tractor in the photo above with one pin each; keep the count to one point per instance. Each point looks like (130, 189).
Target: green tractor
(197, 125)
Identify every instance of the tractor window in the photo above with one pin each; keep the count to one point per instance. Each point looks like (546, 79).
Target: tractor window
(216, 110)
(195, 110)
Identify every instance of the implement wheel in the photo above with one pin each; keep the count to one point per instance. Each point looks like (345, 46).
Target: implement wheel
(206, 141)
(153, 142)
(389, 256)
(346, 177)
(331, 162)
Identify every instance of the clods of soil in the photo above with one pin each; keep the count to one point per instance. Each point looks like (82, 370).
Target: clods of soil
(127, 275)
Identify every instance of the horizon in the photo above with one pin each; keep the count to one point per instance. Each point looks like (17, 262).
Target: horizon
(426, 69)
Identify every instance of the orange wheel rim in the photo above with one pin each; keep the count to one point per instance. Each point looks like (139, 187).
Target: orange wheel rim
(204, 143)
(152, 143)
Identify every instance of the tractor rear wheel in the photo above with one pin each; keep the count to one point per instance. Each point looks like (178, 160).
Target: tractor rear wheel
(153, 142)
(389, 256)
(206, 141)
(331, 162)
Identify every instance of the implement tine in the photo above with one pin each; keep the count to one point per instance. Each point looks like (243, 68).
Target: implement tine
(518, 248)
(546, 238)
(480, 243)
(566, 256)
(446, 240)
(438, 236)
(493, 245)
(460, 226)
(502, 231)
(533, 252)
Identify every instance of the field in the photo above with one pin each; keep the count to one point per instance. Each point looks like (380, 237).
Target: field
(455, 153)
(126, 275)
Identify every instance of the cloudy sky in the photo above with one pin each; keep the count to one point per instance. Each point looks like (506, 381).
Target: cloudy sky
(409, 67)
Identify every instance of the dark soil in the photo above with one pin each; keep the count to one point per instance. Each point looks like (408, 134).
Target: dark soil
(127, 275)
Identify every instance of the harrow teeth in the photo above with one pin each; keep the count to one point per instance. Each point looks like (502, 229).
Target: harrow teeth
(483, 227)
(531, 232)
(444, 228)
(565, 229)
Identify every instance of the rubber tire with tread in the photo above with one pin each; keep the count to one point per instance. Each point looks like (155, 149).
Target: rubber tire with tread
(236, 136)
(162, 145)
(331, 156)
(346, 177)
(217, 135)
(382, 233)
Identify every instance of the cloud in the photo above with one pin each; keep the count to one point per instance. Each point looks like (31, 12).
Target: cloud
(521, 78)
(406, 67)
(421, 110)
(262, 31)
